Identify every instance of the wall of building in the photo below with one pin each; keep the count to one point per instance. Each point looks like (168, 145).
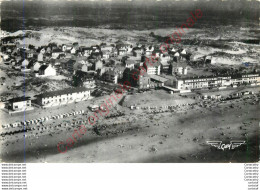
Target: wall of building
(65, 98)
(20, 105)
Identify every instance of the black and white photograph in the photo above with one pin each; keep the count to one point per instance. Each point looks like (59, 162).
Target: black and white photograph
(130, 81)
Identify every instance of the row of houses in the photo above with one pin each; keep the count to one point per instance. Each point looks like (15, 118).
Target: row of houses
(49, 99)
(216, 81)
(52, 59)
(65, 96)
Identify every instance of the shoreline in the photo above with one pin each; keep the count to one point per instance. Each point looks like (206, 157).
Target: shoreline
(159, 142)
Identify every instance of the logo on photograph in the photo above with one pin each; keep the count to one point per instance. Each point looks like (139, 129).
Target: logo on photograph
(232, 145)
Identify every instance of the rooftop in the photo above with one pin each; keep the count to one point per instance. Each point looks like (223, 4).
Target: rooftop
(111, 72)
(43, 67)
(136, 72)
(62, 92)
(165, 63)
(234, 76)
(130, 62)
(57, 51)
(19, 99)
(158, 78)
(179, 64)
(151, 63)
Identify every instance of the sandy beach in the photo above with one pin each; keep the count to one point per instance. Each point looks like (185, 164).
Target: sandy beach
(150, 137)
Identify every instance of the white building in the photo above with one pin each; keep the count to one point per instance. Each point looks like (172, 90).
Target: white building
(251, 79)
(148, 50)
(152, 68)
(214, 81)
(106, 54)
(19, 104)
(111, 76)
(37, 66)
(65, 96)
(178, 68)
(40, 57)
(192, 83)
(107, 48)
(47, 70)
(25, 62)
(56, 53)
(129, 64)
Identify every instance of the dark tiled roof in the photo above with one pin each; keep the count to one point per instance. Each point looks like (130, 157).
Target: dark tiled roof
(62, 92)
(19, 99)
(22, 60)
(150, 63)
(70, 61)
(43, 67)
(86, 48)
(82, 74)
(31, 64)
(110, 72)
(135, 72)
(57, 51)
(137, 48)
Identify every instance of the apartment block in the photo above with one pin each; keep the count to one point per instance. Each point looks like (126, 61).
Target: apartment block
(65, 96)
